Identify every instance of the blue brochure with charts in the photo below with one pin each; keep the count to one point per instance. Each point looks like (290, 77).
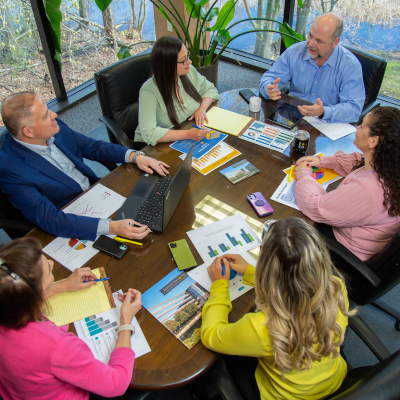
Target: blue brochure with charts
(200, 147)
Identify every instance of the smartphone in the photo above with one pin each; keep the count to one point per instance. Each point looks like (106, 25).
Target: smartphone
(182, 255)
(247, 94)
(259, 204)
(111, 247)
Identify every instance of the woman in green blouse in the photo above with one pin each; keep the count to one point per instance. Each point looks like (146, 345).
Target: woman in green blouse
(175, 93)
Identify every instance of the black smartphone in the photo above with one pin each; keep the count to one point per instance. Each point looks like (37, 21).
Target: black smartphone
(111, 247)
(247, 94)
(286, 115)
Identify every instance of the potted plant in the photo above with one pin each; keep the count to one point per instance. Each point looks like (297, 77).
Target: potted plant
(205, 57)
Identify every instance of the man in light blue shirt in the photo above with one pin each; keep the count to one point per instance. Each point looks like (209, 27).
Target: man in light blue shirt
(320, 71)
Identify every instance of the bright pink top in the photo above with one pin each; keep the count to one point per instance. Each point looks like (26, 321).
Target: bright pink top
(355, 209)
(45, 362)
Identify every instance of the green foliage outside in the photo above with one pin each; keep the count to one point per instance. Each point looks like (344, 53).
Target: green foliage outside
(391, 82)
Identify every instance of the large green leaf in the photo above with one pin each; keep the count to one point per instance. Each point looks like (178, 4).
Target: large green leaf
(123, 52)
(222, 39)
(54, 16)
(193, 7)
(288, 41)
(300, 3)
(103, 4)
(213, 13)
(225, 16)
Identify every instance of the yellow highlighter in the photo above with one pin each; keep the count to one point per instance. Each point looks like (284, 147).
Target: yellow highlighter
(290, 173)
(121, 240)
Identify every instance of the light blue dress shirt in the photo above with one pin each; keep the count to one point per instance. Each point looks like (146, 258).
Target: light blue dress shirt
(338, 82)
(55, 156)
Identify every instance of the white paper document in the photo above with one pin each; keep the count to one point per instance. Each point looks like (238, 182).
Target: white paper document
(236, 285)
(100, 333)
(334, 131)
(98, 202)
(229, 235)
(285, 193)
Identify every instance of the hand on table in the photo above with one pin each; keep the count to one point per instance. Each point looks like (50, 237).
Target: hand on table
(302, 166)
(236, 262)
(131, 304)
(149, 165)
(81, 278)
(312, 161)
(215, 269)
(122, 228)
(315, 110)
(197, 134)
(199, 116)
(273, 91)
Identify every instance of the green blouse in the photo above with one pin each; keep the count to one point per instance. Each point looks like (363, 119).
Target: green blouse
(154, 122)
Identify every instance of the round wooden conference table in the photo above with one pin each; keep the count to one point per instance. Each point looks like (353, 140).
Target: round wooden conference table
(207, 199)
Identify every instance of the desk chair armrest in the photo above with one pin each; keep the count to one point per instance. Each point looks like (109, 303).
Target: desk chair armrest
(344, 253)
(16, 224)
(117, 131)
(364, 332)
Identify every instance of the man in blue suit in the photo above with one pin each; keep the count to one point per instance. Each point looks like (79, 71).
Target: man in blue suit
(42, 169)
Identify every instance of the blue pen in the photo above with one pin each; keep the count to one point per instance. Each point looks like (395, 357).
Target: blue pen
(223, 269)
(102, 279)
(195, 126)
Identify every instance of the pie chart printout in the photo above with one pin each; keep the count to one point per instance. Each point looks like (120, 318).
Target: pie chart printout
(77, 244)
(232, 275)
(317, 173)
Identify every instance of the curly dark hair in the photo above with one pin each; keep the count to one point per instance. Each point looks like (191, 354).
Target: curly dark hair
(385, 123)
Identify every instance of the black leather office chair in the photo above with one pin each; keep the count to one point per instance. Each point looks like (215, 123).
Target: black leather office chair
(118, 88)
(131, 394)
(375, 382)
(374, 278)
(373, 68)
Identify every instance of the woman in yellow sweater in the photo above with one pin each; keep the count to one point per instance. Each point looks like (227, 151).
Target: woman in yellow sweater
(299, 323)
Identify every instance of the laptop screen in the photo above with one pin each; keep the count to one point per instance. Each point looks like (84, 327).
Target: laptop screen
(177, 187)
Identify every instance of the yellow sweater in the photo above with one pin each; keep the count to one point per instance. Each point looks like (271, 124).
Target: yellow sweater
(250, 337)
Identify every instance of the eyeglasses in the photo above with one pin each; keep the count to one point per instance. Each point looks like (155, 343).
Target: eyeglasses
(186, 59)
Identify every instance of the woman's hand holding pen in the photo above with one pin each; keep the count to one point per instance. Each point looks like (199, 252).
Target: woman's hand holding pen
(131, 304)
(81, 278)
(236, 262)
(219, 269)
(197, 134)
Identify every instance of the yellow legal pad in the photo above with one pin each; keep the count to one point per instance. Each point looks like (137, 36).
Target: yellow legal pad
(226, 121)
(69, 307)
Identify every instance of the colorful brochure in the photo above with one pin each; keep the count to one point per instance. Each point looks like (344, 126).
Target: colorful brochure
(239, 171)
(272, 137)
(219, 155)
(177, 302)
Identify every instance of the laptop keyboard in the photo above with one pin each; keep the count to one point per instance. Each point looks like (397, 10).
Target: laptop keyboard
(150, 211)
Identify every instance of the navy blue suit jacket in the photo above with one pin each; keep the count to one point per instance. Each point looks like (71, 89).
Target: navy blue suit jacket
(39, 189)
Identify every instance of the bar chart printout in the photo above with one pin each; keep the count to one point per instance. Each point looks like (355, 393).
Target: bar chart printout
(230, 235)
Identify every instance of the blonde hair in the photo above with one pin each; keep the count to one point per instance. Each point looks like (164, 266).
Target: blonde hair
(297, 290)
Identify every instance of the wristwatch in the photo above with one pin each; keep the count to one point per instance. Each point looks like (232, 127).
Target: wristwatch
(126, 328)
(136, 155)
(322, 115)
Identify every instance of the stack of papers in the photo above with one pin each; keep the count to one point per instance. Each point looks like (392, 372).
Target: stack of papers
(227, 121)
(269, 136)
(100, 333)
(236, 285)
(334, 131)
(98, 202)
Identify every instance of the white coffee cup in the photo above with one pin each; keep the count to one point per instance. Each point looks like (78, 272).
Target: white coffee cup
(255, 104)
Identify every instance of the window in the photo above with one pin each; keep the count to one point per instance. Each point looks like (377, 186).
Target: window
(369, 25)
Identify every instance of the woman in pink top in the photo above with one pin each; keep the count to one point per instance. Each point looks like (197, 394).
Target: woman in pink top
(39, 359)
(364, 211)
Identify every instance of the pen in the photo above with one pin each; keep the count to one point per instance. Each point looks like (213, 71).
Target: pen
(290, 173)
(134, 225)
(101, 279)
(127, 241)
(223, 269)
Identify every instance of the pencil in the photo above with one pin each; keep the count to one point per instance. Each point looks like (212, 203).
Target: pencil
(290, 173)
